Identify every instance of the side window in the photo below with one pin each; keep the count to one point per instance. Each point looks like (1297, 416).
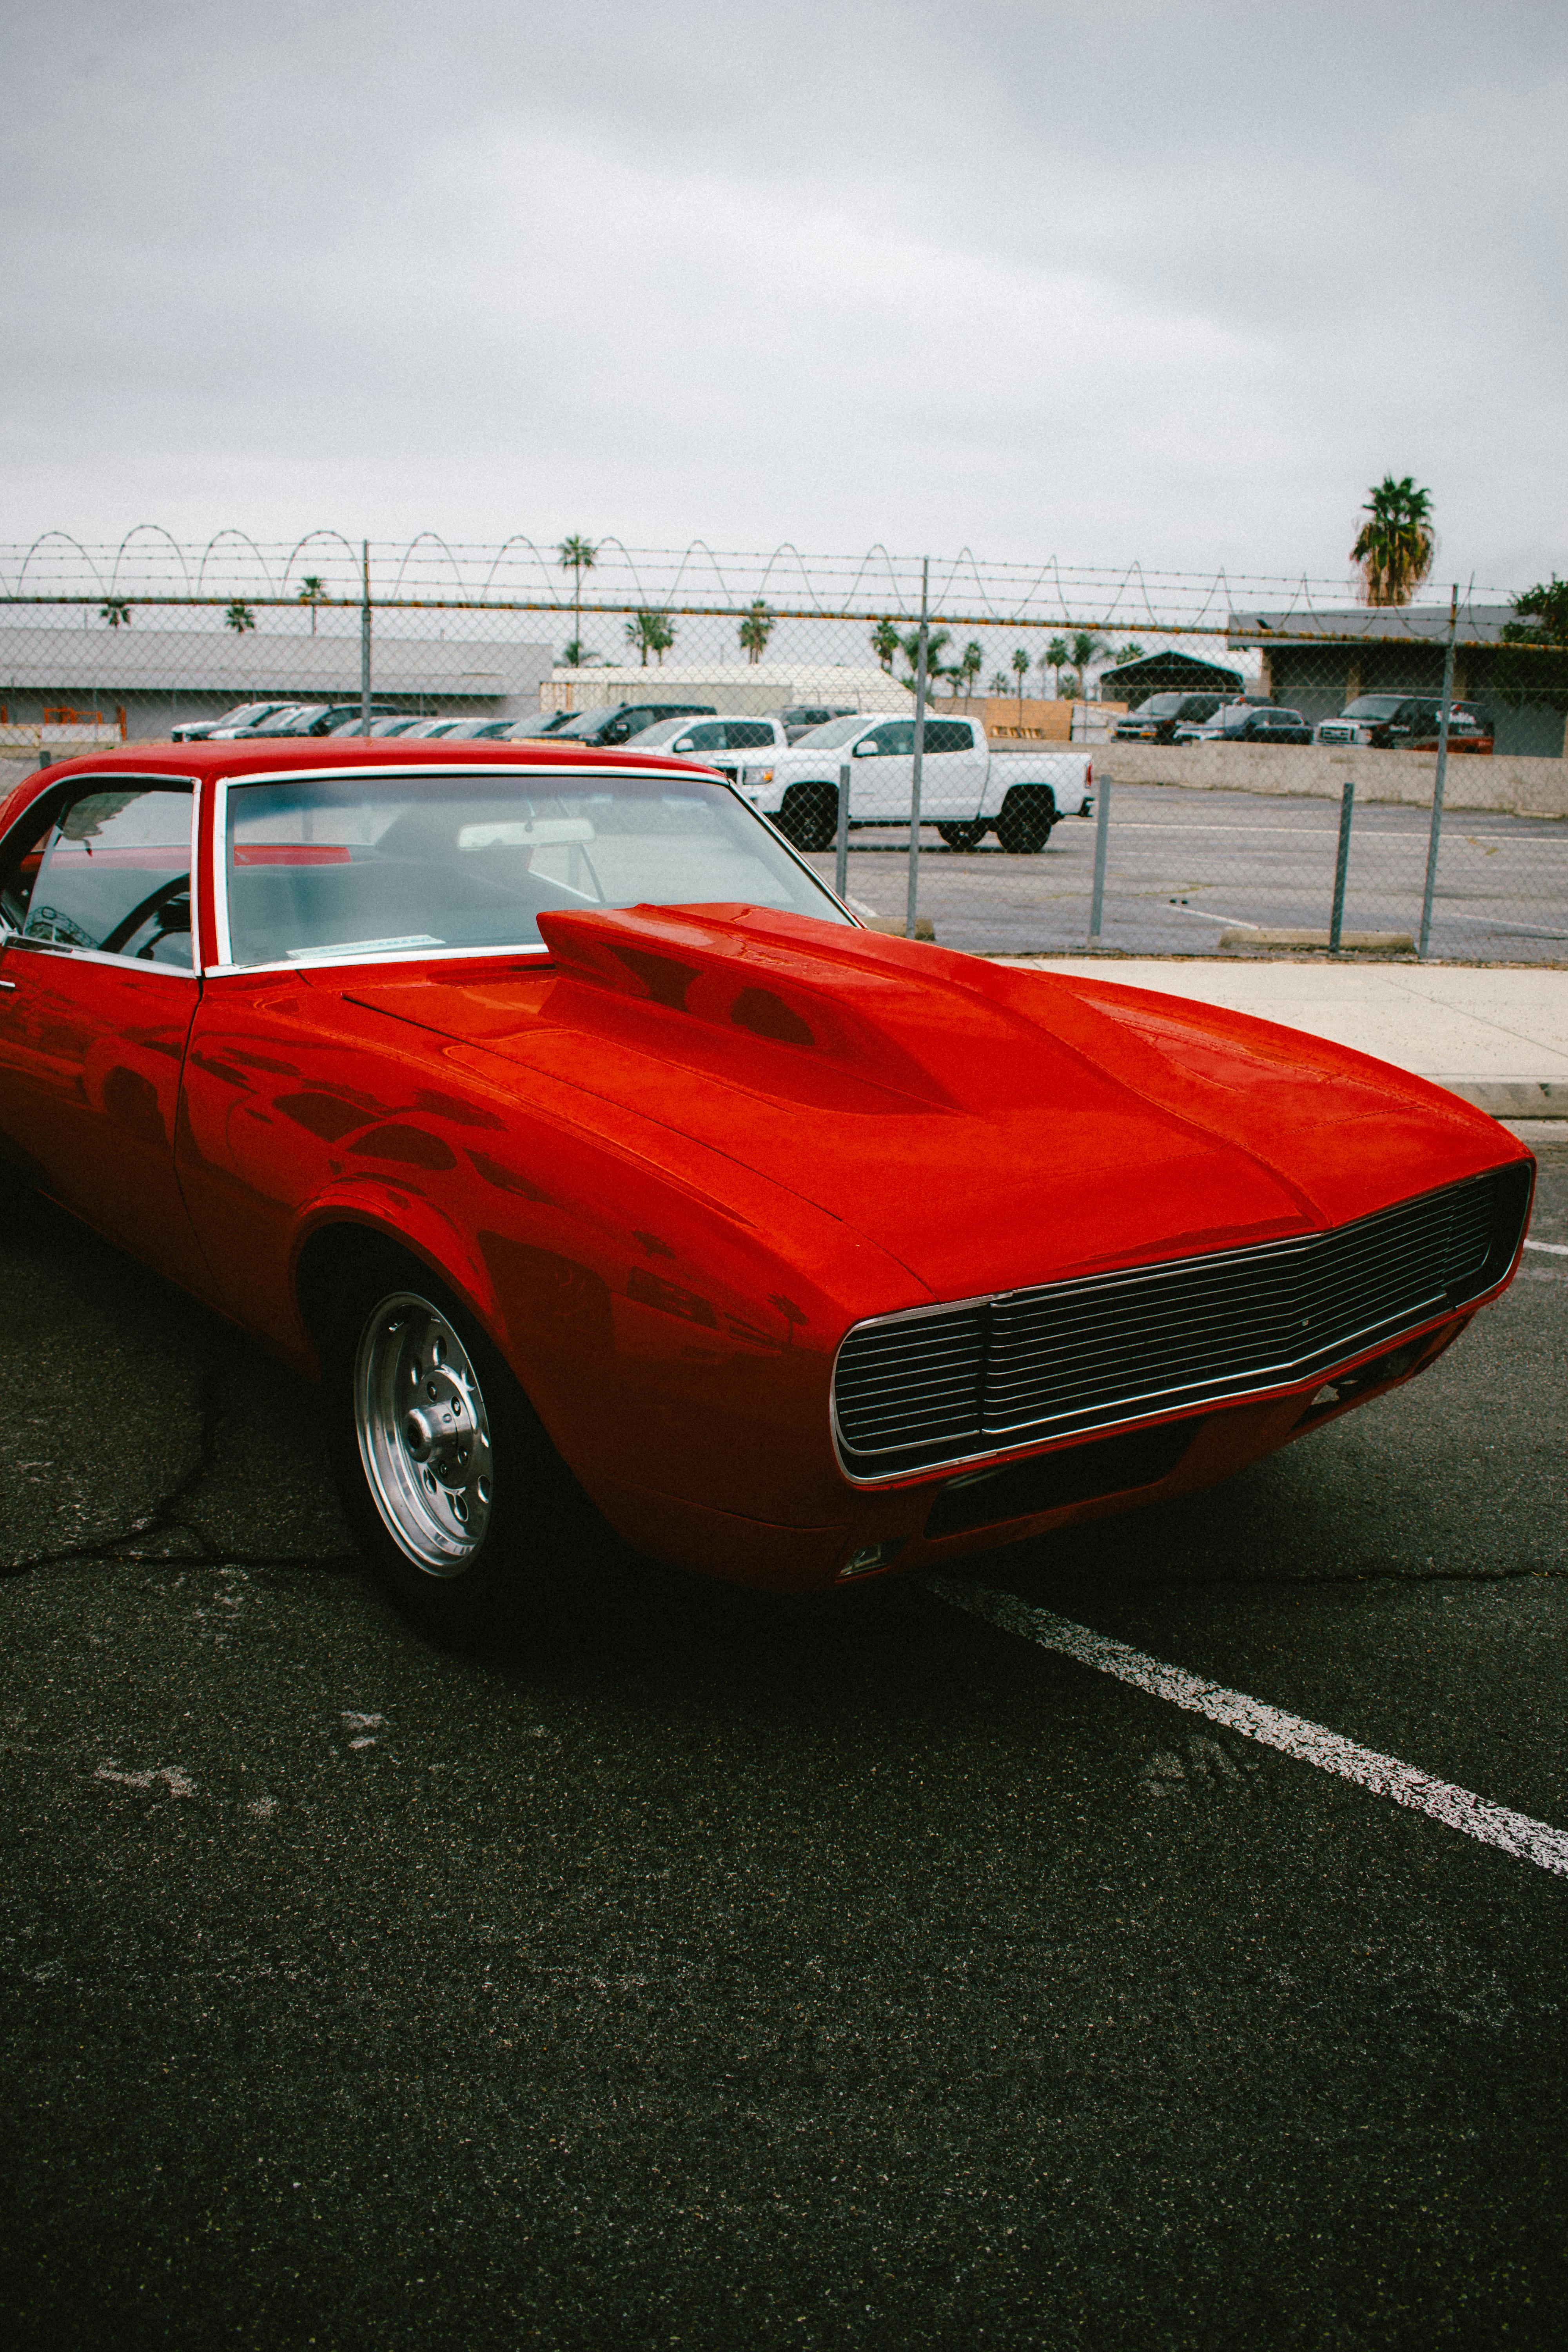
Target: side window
(705, 738)
(896, 736)
(948, 735)
(750, 735)
(24, 855)
(115, 875)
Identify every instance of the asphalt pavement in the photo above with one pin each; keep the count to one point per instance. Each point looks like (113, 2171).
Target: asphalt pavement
(1184, 867)
(709, 1971)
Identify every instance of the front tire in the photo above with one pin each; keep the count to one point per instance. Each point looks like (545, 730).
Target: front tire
(962, 837)
(808, 815)
(456, 1495)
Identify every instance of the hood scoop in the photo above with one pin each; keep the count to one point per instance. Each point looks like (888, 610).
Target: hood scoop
(739, 972)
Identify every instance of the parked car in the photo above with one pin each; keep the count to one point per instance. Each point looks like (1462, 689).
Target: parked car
(547, 1110)
(229, 722)
(617, 722)
(548, 722)
(727, 744)
(1407, 722)
(1156, 719)
(1248, 722)
(797, 717)
(966, 790)
(320, 718)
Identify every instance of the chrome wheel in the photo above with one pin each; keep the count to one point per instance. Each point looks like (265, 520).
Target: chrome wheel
(423, 1434)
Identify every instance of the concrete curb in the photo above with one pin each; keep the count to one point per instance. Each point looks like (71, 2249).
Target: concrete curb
(1512, 1098)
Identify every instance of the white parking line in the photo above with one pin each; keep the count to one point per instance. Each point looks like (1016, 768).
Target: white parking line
(1386, 1776)
(1553, 1249)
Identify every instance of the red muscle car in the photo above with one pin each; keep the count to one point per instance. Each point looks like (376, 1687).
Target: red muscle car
(543, 1104)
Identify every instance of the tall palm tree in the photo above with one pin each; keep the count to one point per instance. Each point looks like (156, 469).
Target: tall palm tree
(1396, 545)
(1021, 663)
(312, 592)
(1054, 658)
(240, 617)
(116, 612)
(885, 644)
(968, 666)
(756, 629)
(576, 556)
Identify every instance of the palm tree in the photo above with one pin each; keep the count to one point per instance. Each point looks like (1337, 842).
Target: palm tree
(1087, 647)
(999, 681)
(1021, 663)
(937, 643)
(1396, 545)
(240, 617)
(312, 592)
(885, 644)
(576, 556)
(968, 666)
(116, 612)
(757, 628)
(652, 633)
(1131, 651)
(1054, 658)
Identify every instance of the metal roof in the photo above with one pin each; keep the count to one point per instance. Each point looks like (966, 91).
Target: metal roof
(132, 659)
(1478, 624)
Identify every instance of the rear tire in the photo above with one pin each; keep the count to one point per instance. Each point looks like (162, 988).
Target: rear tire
(809, 815)
(964, 836)
(456, 1495)
(1028, 815)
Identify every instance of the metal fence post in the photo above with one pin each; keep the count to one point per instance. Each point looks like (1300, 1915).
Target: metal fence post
(1101, 828)
(919, 755)
(1336, 919)
(1439, 780)
(841, 859)
(364, 642)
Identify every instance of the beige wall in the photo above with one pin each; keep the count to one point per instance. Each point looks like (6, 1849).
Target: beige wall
(1519, 786)
(1036, 722)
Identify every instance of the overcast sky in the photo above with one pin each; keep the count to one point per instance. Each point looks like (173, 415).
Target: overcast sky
(1116, 280)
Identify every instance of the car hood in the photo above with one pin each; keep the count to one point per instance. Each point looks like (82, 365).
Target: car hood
(986, 1128)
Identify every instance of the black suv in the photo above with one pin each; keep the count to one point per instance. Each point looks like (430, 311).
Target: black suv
(1156, 721)
(1406, 722)
(617, 722)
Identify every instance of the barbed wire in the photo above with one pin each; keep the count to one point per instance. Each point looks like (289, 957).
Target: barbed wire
(432, 572)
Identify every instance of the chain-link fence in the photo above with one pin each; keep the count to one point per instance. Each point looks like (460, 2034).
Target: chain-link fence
(1053, 759)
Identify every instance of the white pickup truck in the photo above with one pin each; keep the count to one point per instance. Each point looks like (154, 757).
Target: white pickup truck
(966, 790)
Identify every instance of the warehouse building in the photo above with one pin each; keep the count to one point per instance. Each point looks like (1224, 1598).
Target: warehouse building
(143, 681)
(1318, 662)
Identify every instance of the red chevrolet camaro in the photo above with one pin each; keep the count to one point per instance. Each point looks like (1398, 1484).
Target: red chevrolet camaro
(544, 1105)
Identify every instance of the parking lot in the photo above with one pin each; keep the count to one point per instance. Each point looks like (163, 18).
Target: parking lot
(708, 1970)
(1183, 866)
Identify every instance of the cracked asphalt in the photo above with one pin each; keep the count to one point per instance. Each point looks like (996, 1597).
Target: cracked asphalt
(709, 1971)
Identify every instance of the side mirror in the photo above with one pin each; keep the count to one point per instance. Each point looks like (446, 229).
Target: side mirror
(685, 744)
(866, 748)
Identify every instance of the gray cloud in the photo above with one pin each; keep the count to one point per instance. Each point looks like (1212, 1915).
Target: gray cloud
(1117, 280)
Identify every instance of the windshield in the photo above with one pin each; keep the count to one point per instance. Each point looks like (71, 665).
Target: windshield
(388, 865)
(836, 731)
(1161, 706)
(1372, 706)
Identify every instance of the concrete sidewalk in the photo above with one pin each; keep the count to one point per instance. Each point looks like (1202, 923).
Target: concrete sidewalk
(1495, 1034)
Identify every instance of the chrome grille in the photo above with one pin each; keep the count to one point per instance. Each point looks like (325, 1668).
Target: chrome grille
(946, 1384)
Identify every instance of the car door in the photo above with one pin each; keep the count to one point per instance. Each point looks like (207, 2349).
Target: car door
(883, 778)
(952, 772)
(98, 990)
